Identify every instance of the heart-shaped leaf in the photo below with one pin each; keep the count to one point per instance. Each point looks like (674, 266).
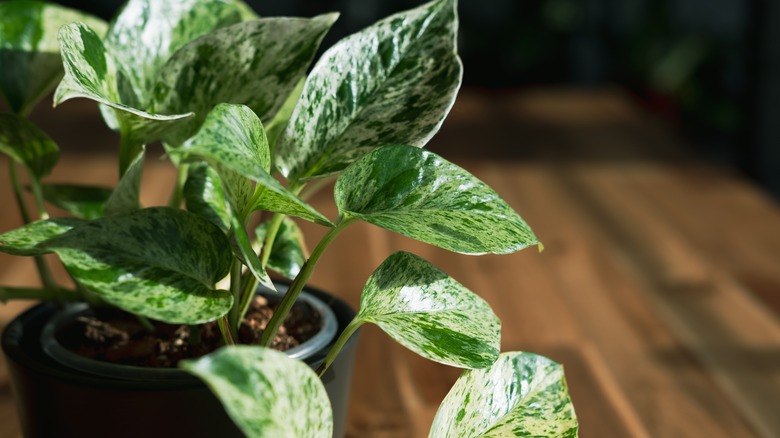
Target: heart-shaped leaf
(393, 82)
(85, 202)
(28, 145)
(256, 63)
(232, 137)
(522, 395)
(420, 195)
(288, 252)
(430, 313)
(92, 73)
(25, 240)
(159, 262)
(124, 198)
(29, 52)
(266, 393)
(147, 33)
(203, 195)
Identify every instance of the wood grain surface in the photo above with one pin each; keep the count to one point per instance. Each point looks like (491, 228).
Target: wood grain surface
(658, 289)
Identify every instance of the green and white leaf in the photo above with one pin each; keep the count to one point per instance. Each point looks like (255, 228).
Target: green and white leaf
(423, 196)
(85, 202)
(92, 73)
(29, 51)
(146, 33)
(232, 137)
(204, 196)
(159, 262)
(430, 313)
(124, 198)
(247, 254)
(26, 240)
(256, 63)
(288, 253)
(282, 117)
(393, 82)
(27, 145)
(522, 394)
(266, 393)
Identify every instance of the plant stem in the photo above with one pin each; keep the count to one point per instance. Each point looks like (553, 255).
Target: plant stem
(178, 190)
(34, 293)
(43, 269)
(340, 342)
(224, 328)
(300, 280)
(38, 195)
(235, 289)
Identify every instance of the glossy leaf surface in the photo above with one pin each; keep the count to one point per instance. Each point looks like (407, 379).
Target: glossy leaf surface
(288, 253)
(92, 73)
(124, 198)
(159, 262)
(522, 394)
(393, 82)
(256, 63)
(430, 313)
(232, 137)
(247, 254)
(203, 195)
(85, 202)
(25, 240)
(266, 393)
(29, 52)
(28, 145)
(146, 33)
(420, 195)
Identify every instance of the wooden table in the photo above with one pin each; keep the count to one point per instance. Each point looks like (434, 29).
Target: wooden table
(659, 289)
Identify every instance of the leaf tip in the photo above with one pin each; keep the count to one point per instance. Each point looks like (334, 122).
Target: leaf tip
(540, 246)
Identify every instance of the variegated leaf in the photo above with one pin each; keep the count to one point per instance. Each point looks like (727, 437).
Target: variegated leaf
(288, 253)
(393, 82)
(147, 33)
(29, 52)
(85, 202)
(232, 137)
(203, 195)
(256, 63)
(92, 73)
(159, 262)
(420, 195)
(28, 145)
(247, 253)
(25, 240)
(266, 393)
(430, 313)
(282, 117)
(522, 394)
(124, 198)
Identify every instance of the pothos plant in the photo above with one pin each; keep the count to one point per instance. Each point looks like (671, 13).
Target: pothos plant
(227, 94)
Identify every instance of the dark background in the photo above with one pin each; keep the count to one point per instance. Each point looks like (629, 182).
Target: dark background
(710, 67)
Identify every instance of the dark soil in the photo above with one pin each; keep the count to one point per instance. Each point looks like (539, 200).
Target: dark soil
(116, 336)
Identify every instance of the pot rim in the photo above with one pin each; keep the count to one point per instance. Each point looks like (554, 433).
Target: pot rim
(55, 350)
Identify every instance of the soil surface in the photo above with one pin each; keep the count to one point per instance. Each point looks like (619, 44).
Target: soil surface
(116, 336)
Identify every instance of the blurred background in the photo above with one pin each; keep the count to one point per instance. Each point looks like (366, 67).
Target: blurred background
(710, 68)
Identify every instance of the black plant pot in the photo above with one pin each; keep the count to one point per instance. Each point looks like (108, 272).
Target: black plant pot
(55, 400)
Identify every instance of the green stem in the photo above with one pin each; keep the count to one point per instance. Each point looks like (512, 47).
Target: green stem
(178, 190)
(38, 195)
(18, 192)
(300, 280)
(340, 342)
(224, 328)
(34, 293)
(235, 289)
(145, 323)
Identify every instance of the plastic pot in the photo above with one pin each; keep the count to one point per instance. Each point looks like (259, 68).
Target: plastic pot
(101, 399)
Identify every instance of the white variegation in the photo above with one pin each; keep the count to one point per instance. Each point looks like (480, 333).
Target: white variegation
(522, 394)
(124, 198)
(29, 51)
(393, 82)
(27, 145)
(158, 262)
(430, 313)
(26, 240)
(266, 393)
(416, 193)
(256, 63)
(288, 253)
(232, 137)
